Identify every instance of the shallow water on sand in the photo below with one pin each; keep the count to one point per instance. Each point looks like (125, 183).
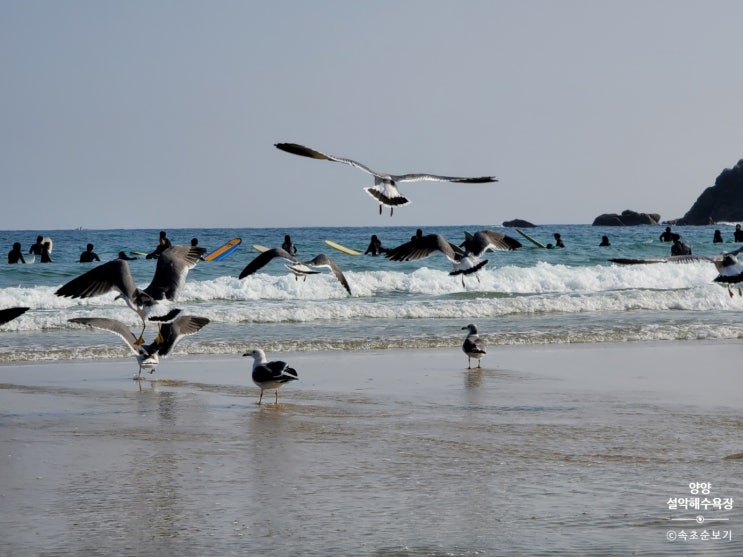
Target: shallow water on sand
(543, 451)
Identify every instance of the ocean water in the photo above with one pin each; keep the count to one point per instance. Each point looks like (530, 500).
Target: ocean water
(526, 296)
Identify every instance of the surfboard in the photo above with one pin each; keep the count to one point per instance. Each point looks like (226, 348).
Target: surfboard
(223, 251)
(139, 253)
(260, 248)
(29, 259)
(344, 249)
(532, 240)
(51, 244)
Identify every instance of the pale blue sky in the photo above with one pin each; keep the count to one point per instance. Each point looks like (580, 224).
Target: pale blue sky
(163, 114)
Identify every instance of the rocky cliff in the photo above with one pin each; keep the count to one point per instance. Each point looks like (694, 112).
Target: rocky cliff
(722, 202)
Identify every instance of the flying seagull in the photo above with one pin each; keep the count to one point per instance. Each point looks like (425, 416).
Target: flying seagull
(385, 185)
(169, 333)
(473, 346)
(464, 262)
(299, 268)
(270, 375)
(170, 276)
(729, 268)
(11, 313)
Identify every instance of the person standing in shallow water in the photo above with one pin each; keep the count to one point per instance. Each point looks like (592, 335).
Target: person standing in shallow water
(46, 256)
(375, 246)
(15, 255)
(604, 241)
(558, 241)
(38, 247)
(717, 238)
(89, 255)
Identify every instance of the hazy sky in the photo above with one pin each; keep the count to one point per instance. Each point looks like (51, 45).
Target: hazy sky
(163, 114)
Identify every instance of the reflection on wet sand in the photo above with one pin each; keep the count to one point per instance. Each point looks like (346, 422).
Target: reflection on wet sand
(370, 456)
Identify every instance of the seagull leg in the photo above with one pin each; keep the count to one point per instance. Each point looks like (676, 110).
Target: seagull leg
(469, 361)
(478, 363)
(140, 340)
(260, 397)
(276, 402)
(391, 210)
(380, 208)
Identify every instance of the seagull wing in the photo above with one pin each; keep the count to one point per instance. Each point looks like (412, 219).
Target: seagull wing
(323, 260)
(171, 271)
(423, 247)
(274, 371)
(11, 313)
(437, 178)
(489, 239)
(111, 325)
(474, 345)
(171, 333)
(303, 151)
(101, 280)
(264, 258)
(172, 314)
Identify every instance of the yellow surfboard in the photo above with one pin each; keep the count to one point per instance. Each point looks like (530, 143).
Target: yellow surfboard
(223, 251)
(344, 249)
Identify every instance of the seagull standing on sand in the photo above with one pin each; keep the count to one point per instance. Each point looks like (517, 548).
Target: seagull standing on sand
(299, 268)
(270, 375)
(169, 333)
(464, 262)
(384, 189)
(11, 313)
(473, 345)
(170, 276)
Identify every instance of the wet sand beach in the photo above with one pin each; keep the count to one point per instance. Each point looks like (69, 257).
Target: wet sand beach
(546, 450)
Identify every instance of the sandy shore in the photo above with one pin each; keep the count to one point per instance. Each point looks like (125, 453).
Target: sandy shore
(579, 446)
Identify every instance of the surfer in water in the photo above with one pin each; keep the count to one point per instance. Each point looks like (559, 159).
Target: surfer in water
(163, 244)
(558, 241)
(604, 241)
(288, 246)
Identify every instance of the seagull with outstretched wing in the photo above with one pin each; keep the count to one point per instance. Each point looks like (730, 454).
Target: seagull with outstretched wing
(385, 185)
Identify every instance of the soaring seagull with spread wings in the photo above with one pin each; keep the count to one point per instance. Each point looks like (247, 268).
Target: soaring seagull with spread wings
(169, 333)
(170, 276)
(464, 262)
(385, 185)
(299, 268)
